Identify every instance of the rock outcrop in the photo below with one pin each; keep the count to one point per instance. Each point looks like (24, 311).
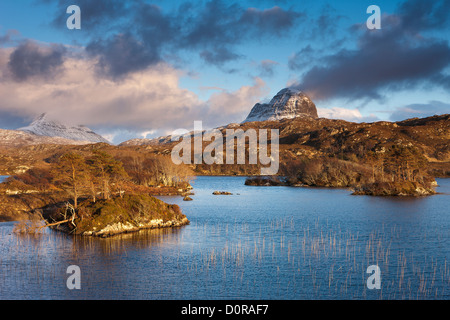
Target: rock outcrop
(286, 104)
(105, 218)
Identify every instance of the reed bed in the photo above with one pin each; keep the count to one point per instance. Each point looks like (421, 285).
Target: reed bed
(279, 259)
(314, 261)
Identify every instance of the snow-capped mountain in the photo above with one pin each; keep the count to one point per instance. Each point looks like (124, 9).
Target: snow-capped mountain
(14, 138)
(42, 126)
(286, 104)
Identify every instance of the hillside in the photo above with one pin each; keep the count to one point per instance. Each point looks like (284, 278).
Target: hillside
(307, 137)
(15, 138)
(43, 126)
(299, 138)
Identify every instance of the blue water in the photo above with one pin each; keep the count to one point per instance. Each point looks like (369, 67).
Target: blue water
(259, 243)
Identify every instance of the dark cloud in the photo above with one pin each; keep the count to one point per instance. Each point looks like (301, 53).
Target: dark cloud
(153, 26)
(214, 23)
(418, 15)
(212, 29)
(121, 54)
(139, 46)
(420, 110)
(362, 73)
(220, 23)
(224, 22)
(392, 58)
(272, 21)
(30, 59)
(218, 56)
(101, 11)
(97, 14)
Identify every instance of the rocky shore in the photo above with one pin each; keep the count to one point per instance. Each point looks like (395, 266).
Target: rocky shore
(403, 188)
(406, 188)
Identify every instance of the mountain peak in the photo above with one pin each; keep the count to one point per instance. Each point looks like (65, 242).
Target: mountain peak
(42, 116)
(43, 126)
(288, 103)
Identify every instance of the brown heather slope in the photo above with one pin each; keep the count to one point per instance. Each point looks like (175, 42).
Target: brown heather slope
(315, 152)
(309, 138)
(300, 138)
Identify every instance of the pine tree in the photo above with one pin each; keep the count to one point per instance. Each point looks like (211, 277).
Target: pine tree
(106, 170)
(70, 173)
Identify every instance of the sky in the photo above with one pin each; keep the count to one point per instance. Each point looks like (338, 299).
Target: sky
(142, 68)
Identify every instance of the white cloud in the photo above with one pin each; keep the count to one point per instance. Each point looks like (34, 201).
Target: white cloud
(77, 96)
(420, 110)
(353, 115)
(234, 106)
(144, 102)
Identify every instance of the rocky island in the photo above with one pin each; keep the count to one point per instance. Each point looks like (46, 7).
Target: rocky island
(105, 218)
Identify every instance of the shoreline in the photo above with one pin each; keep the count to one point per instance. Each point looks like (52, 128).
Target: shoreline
(120, 228)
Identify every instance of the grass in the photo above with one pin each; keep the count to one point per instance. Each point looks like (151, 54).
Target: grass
(316, 262)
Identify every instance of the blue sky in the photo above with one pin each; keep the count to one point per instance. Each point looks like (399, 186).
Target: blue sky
(144, 68)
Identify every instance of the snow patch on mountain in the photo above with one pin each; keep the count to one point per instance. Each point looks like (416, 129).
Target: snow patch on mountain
(42, 126)
(288, 103)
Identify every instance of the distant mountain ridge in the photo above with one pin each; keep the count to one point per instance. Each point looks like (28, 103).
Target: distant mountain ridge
(288, 103)
(42, 126)
(16, 138)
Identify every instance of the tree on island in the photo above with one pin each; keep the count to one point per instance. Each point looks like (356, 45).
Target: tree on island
(70, 174)
(105, 170)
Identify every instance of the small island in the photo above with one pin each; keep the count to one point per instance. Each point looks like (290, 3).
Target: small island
(222, 193)
(397, 171)
(132, 212)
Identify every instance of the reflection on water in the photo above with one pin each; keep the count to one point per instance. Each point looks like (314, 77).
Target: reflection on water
(123, 242)
(259, 243)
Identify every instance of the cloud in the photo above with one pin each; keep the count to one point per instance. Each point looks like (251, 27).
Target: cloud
(146, 101)
(32, 60)
(267, 68)
(420, 110)
(212, 29)
(225, 107)
(96, 14)
(353, 115)
(325, 24)
(218, 56)
(122, 54)
(302, 58)
(221, 24)
(154, 26)
(273, 21)
(362, 73)
(418, 16)
(399, 56)
(212, 24)
(9, 37)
